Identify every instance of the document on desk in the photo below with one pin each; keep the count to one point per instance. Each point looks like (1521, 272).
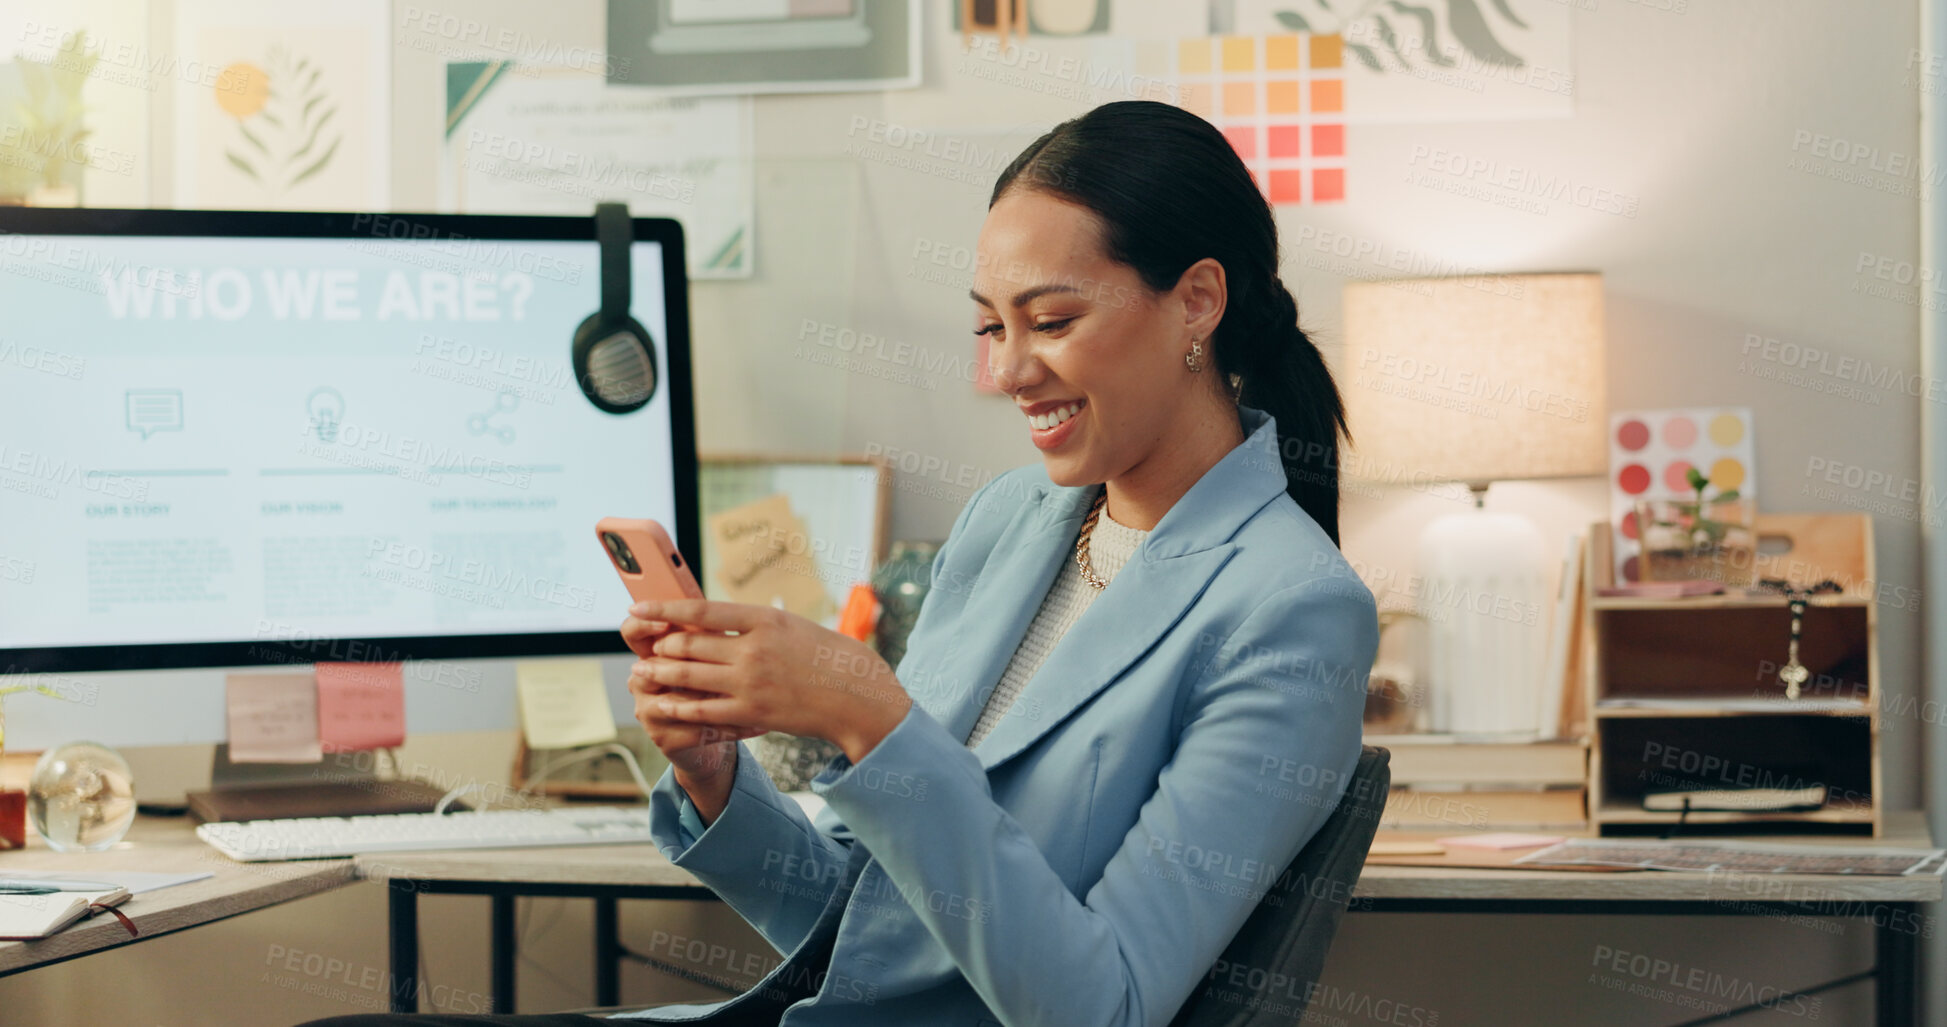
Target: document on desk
(26, 917)
(1744, 857)
(135, 881)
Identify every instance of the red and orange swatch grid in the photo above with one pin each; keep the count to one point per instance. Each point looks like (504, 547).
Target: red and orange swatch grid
(1280, 100)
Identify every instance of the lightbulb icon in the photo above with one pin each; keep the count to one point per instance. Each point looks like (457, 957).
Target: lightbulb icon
(327, 409)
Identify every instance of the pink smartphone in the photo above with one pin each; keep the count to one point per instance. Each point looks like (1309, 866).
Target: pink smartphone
(647, 560)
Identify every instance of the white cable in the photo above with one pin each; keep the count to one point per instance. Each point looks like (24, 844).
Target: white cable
(579, 756)
(584, 755)
(447, 799)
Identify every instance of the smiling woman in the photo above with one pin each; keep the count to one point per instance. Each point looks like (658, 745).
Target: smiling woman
(1122, 244)
(1077, 784)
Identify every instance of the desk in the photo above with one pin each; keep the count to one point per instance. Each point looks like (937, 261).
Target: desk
(1891, 904)
(604, 873)
(608, 873)
(164, 845)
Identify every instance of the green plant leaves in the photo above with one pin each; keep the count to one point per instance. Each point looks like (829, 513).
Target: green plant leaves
(313, 140)
(52, 117)
(1429, 33)
(293, 132)
(320, 165)
(251, 138)
(1502, 7)
(1463, 20)
(1469, 26)
(242, 165)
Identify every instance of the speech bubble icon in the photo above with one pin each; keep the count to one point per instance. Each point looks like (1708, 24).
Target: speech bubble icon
(154, 410)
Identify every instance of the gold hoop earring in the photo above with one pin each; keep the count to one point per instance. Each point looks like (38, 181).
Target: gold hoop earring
(1190, 359)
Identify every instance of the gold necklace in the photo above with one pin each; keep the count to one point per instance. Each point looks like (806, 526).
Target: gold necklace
(1081, 544)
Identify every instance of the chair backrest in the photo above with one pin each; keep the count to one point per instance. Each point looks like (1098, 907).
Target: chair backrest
(1267, 972)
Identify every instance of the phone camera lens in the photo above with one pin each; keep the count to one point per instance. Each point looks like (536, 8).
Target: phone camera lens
(620, 551)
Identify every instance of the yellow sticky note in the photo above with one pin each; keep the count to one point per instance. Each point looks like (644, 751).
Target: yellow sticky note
(563, 703)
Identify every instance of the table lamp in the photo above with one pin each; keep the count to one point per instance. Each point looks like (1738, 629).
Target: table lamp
(1476, 380)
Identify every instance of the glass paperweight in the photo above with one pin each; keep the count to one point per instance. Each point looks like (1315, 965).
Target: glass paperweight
(81, 797)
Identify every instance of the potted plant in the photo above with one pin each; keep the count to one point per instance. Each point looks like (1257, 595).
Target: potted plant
(1699, 538)
(51, 121)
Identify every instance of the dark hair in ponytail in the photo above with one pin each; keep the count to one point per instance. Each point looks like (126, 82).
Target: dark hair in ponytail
(1170, 191)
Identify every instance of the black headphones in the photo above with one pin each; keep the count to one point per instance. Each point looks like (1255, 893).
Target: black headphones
(614, 357)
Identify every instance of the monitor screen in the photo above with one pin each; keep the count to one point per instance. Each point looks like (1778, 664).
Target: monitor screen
(236, 439)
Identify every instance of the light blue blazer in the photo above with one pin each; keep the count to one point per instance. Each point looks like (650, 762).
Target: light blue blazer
(1088, 861)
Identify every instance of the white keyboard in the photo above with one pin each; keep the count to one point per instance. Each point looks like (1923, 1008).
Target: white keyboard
(252, 841)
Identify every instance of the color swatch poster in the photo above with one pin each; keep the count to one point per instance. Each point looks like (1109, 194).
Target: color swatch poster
(1280, 100)
(1651, 453)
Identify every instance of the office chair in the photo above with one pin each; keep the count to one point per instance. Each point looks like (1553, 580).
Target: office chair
(1266, 974)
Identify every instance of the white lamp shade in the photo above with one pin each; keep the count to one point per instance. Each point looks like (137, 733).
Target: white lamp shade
(1475, 379)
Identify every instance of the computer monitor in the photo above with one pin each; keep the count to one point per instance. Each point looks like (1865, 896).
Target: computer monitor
(239, 439)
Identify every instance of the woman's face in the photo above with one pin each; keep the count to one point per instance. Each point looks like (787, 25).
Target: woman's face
(1091, 356)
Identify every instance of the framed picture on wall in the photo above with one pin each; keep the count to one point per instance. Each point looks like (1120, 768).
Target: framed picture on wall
(764, 46)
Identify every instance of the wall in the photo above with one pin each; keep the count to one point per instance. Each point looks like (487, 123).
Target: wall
(1710, 114)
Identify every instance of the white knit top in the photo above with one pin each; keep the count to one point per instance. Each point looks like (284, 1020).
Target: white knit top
(1109, 548)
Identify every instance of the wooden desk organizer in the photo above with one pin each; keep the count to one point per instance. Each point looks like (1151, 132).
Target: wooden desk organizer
(1685, 692)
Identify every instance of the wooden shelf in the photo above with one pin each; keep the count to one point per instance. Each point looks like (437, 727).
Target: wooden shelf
(1625, 813)
(1782, 708)
(1723, 602)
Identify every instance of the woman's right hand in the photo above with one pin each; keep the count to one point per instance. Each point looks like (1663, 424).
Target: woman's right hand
(702, 756)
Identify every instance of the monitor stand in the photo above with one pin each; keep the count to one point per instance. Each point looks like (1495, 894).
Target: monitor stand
(340, 785)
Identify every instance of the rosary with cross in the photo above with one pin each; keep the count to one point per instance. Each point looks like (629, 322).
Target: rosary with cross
(1793, 673)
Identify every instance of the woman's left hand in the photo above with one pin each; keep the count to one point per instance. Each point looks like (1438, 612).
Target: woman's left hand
(776, 672)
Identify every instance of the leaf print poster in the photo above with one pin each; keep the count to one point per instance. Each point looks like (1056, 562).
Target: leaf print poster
(1411, 61)
(294, 114)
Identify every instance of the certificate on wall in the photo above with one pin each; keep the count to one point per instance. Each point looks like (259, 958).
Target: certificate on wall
(283, 106)
(523, 139)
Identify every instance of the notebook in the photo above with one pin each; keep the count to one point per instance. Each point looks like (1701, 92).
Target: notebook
(1743, 800)
(323, 799)
(25, 917)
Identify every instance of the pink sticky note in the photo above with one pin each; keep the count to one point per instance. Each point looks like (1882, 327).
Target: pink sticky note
(273, 718)
(361, 706)
(1502, 840)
